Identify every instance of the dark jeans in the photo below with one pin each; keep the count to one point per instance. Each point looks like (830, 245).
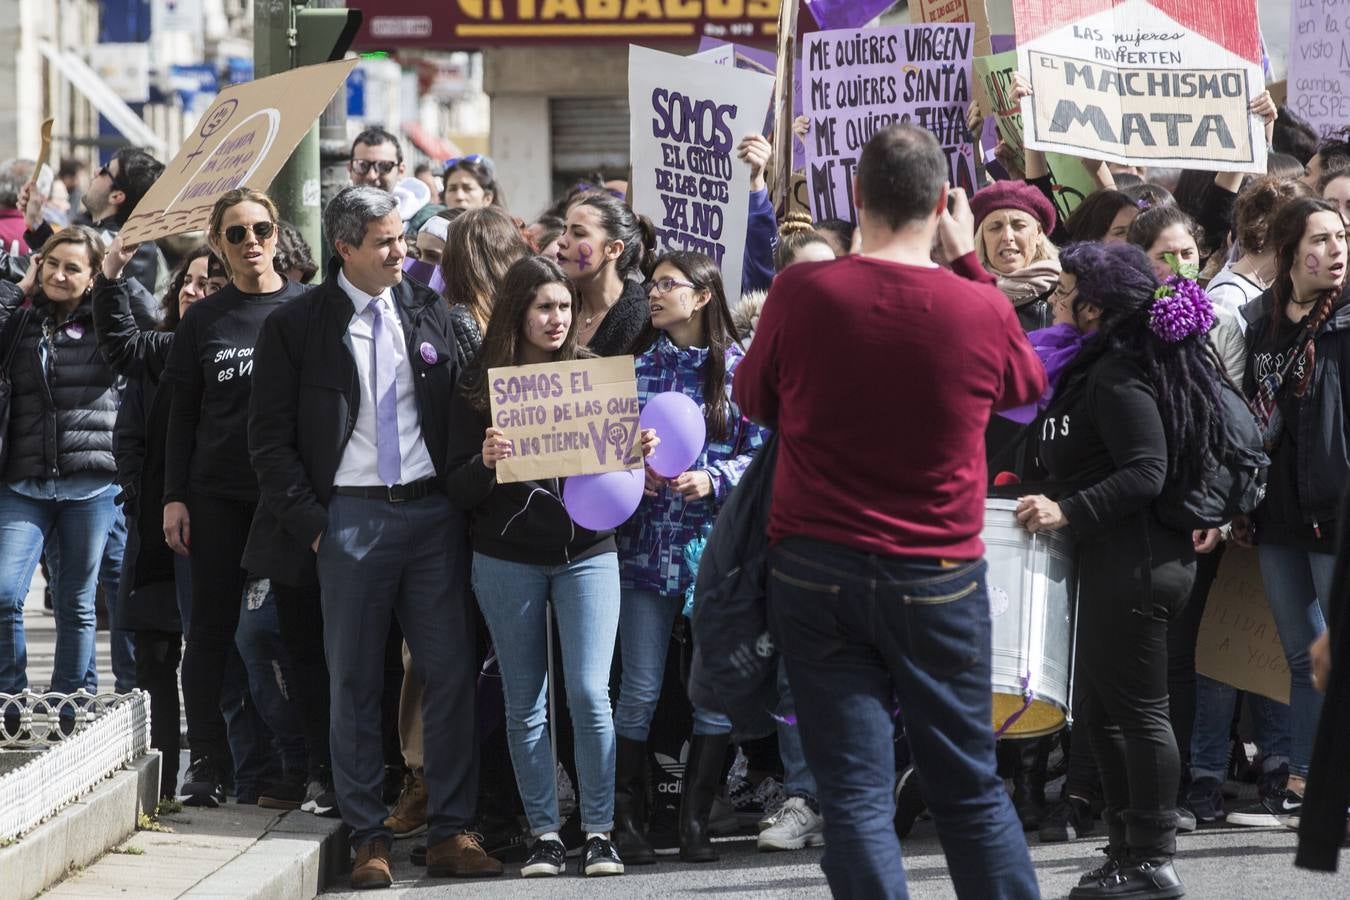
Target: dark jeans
(1131, 583)
(271, 679)
(1182, 633)
(859, 632)
(376, 560)
(300, 616)
(157, 657)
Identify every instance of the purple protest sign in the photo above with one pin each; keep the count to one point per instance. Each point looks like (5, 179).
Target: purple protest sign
(858, 81)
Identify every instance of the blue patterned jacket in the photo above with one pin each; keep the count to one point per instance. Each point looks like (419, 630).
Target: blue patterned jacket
(652, 543)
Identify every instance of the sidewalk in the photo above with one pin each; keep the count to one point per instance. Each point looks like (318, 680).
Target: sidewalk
(231, 852)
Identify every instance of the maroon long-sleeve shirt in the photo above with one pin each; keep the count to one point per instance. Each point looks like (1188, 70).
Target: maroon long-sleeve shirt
(880, 379)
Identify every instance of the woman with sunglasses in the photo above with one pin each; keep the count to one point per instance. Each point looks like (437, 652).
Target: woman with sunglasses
(210, 491)
(471, 184)
(690, 345)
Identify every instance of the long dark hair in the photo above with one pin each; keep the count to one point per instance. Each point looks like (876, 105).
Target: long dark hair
(622, 224)
(1092, 219)
(719, 332)
(1286, 233)
(502, 340)
(1118, 279)
(480, 247)
(169, 304)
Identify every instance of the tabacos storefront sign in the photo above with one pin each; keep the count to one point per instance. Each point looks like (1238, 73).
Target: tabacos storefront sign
(476, 23)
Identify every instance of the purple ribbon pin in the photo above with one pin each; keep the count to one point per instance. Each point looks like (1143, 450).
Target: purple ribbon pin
(428, 353)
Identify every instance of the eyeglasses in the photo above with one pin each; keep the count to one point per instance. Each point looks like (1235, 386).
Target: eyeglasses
(586, 187)
(235, 234)
(363, 166)
(666, 285)
(471, 158)
(105, 171)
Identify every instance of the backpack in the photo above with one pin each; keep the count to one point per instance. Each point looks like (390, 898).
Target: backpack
(1234, 481)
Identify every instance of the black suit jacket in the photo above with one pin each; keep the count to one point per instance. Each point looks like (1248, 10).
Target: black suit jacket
(303, 409)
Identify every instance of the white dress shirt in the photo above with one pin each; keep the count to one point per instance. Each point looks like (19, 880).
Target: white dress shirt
(359, 466)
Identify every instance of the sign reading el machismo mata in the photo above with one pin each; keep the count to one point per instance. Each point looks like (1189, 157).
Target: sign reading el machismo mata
(856, 82)
(566, 418)
(242, 141)
(1144, 82)
(686, 118)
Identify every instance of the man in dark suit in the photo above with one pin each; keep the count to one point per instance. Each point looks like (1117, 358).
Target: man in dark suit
(349, 437)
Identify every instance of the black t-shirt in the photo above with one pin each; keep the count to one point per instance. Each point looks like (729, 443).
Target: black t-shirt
(211, 368)
(1279, 519)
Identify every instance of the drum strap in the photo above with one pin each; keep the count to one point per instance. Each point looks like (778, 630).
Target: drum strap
(1028, 698)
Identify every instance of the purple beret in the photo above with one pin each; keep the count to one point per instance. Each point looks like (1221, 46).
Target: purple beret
(1013, 195)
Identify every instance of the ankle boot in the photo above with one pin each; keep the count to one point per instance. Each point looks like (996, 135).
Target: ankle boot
(1116, 848)
(702, 773)
(630, 803)
(1028, 796)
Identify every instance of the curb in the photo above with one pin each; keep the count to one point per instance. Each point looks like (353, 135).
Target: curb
(80, 833)
(296, 859)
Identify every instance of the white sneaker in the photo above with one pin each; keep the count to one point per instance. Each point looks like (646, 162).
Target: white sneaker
(797, 826)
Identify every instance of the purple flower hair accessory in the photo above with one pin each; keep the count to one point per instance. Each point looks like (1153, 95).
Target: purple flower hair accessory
(1181, 308)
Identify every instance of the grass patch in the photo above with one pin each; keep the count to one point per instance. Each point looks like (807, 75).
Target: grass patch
(128, 850)
(168, 806)
(149, 823)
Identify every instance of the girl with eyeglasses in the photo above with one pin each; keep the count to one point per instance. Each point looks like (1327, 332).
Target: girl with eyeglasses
(210, 491)
(689, 344)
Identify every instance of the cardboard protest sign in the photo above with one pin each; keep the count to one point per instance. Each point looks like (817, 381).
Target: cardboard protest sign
(940, 12)
(1319, 64)
(1070, 182)
(241, 141)
(856, 82)
(566, 418)
(1238, 642)
(1143, 82)
(718, 55)
(686, 175)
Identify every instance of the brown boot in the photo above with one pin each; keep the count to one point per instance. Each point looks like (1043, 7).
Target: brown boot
(409, 817)
(461, 856)
(371, 869)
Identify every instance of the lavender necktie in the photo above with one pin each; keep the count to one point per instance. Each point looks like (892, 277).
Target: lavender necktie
(386, 395)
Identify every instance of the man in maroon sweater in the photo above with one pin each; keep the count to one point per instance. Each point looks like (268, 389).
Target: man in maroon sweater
(879, 372)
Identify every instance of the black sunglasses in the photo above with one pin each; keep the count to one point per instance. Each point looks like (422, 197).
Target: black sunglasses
(363, 166)
(235, 234)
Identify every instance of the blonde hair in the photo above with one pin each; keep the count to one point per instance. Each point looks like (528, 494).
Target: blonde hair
(1044, 248)
(231, 199)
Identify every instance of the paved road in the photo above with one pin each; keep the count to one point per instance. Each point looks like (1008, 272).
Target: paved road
(1226, 864)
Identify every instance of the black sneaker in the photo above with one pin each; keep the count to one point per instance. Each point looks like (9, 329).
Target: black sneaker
(908, 802)
(202, 786)
(1271, 781)
(1067, 820)
(1281, 807)
(285, 793)
(600, 858)
(663, 830)
(1204, 798)
(321, 796)
(1135, 880)
(548, 858)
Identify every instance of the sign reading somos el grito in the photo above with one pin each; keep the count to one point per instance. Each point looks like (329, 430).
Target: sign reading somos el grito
(566, 418)
(1144, 82)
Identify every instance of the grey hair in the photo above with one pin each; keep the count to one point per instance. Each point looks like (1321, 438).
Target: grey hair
(352, 210)
(14, 173)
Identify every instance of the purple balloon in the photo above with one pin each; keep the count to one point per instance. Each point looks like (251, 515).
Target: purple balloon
(604, 501)
(680, 428)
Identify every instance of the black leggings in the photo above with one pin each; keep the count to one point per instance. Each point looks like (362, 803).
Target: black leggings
(157, 657)
(300, 618)
(218, 528)
(1181, 637)
(1132, 581)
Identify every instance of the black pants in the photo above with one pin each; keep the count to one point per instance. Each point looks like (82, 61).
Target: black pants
(157, 657)
(1181, 637)
(219, 529)
(1132, 581)
(300, 616)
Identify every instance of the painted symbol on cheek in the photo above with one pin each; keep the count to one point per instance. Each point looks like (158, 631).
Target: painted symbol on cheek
(1310, 261)
(584, 253)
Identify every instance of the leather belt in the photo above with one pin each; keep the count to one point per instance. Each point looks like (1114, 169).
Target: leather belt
(394, 493)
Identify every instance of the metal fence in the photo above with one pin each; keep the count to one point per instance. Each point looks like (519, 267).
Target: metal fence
(82, 738)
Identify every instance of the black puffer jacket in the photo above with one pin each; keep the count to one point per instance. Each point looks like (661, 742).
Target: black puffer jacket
(65, 396)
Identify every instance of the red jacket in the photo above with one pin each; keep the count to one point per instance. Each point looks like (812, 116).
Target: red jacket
(12, 228)
(880, 379)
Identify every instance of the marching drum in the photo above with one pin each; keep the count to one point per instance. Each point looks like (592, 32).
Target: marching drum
(1032, 604)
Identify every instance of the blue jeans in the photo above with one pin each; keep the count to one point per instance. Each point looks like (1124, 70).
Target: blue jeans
(797, 778)
(271, 680)
(1298, 587)
(120, 640)
(645, 622)
(76, 531)
(859, 631)
(1214, 702)
(585, 597)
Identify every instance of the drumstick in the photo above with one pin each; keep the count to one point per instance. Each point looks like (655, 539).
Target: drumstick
(45, 153)
(42, 173)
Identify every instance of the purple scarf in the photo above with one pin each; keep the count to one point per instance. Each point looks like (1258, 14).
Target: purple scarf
(1056, 346)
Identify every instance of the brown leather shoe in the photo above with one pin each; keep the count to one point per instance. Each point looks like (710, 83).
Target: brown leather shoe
(371, 869)
(461, 856)
(409, 817)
